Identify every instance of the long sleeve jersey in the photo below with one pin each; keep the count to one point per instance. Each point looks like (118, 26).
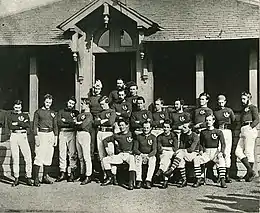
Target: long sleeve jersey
(212, 139)
(224, 116)
(87, 121)
(45, 119)
(140, 117)
(122, 142)
(124, 108)
(113, 96)
(170, 140)
(66, 118)
(145, 144)
(95, 107)
(179, 119)
(157, 117)
(17, 121)
(132, 100)
(189, 141)
(200, 115)
(109, 114)
(250, 114)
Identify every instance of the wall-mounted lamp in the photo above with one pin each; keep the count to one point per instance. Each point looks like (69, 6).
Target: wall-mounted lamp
(144, 75)
(106, 14)
(74, 46)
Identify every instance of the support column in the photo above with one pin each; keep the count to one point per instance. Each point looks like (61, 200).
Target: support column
(253, 75)
(199, 74)
(34, 87)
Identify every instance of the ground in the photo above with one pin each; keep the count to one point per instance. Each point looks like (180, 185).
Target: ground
(71, 197)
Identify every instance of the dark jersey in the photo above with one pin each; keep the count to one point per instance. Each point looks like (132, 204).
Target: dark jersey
(170, 140)
(66, 118)
(224, 116)
(158, 117)
(250, 114)
(212, 139)
(124, 108)
(179, 119)
(87, 121)
(109, 114)
(189, 141)
(145, 144)
(95, 107)
(140, 117)
(18, 121)
(200, 115)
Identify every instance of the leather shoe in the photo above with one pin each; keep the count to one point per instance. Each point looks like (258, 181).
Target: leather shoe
(29, 182)
(148, 185)
(16, 182)
(138, 184)
(223, 183)
(61, 177)
(46, 180)
(183, 184)
(169, 172)
(108, 181)
(86, 181)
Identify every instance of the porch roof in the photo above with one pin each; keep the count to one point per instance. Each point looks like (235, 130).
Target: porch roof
(180, 20)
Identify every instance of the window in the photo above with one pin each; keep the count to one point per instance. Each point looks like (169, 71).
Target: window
(126, 40)
(104, 39)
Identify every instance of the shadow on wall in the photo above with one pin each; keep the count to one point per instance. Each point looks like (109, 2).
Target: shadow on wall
(233, 202)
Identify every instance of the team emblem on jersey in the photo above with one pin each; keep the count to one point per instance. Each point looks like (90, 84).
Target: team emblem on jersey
(72, 114)
(182, 118)
(170, 141)
(214, 136)
(162, 116)
(226, 114)
(246, 109)
(83, 117)
(145, 116)
(21, 118)
(202, 112)
(52, 114)
(134, 101)
(129, 139)
(108, 115)
(150, 142)
(124, 107)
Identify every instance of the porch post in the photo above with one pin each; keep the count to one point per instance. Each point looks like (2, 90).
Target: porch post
(34, 87)
(253, 75)
(199, 74)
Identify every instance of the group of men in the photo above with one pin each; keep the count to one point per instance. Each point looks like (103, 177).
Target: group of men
(122, 131)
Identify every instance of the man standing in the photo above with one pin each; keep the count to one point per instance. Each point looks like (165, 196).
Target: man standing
(159, 117)
(83, 141)
(123, 143)
(94, 96)
(246, 144)
(210, 140)
(140, 116)
(46, 131)
(224, 118)
(67, 139)
(113, 95)
(105, 121)
(122, 107)
(145, 148)
(167, 144)
(132, 96)
(188, 151)
(18, 123)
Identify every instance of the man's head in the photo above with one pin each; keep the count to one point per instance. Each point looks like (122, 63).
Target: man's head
(210, 120)
(104, 102)
(71, 102)
(246, 98)
(97, 87)
(85, 103)
(133, 89)
(123, 125)
(158, 104)
(167, 126)
(147, 128)
(178, 104)
(121, 94)
(187, 127)
(120, 83)
(221, 100)
(48, 101)
(204, 99)
(18, 106)
(140, 103)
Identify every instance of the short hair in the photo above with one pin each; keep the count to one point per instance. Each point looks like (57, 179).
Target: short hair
(98, 84)
(205, 94)
(140, 98)
(180, 100)
(85, 101)
(119, 79)
(103, 98)
(122, 120)
(147, 122)
(72, 98)
(131, 83)
(168, 121)
(48, 96)
(18, 102)
(221, 97)
(159, 99)
(246, 93)
(121, 90)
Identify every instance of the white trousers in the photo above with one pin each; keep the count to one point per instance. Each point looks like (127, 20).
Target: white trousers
(20, 141)
(165, 158)
(213, 154)
(228, 141)
(83, 145)
(139, 161)
(189, 157)
(246, 144)
(44, 152)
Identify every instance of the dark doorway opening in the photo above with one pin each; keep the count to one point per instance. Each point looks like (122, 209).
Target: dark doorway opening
(111, 66)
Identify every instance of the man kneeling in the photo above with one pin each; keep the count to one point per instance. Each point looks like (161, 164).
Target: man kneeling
(188, 151)
(123, 143)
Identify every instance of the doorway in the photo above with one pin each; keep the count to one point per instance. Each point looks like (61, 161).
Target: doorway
(111, 66)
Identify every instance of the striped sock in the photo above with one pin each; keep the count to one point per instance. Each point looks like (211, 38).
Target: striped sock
(222, 172)
(175, 163)
(183, 173)
(197, 171)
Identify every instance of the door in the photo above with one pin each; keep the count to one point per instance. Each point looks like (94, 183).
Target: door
(111, 66)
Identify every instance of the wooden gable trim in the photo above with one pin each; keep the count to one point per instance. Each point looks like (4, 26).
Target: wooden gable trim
(73, 20)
